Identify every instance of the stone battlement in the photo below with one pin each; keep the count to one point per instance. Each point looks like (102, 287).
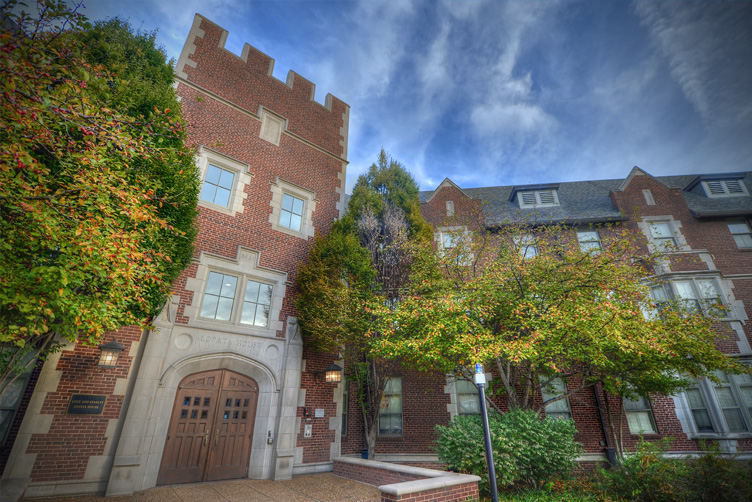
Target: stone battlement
(246, 81)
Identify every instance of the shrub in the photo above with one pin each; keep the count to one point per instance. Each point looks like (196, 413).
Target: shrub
(647, 475)
(716, 478)
(527, 448)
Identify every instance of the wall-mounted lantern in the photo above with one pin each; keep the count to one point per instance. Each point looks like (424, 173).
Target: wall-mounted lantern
(330, 374)
(110, 352)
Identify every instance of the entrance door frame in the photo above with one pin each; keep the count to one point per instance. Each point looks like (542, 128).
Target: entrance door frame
(204, 393)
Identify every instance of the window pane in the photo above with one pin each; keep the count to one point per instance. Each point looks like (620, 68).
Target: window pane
(295, 222)
(695, 399)
(587, 235)
(661, 230)
(265, 294)
(684, 288)
(702, 420)
(394, 385)
(284, 219)
(639, 422)
(262, 313)
(228, 286)
(287, 202)
(224, 309)
(658, 294)
(209, 307)
(468, 404)
(557, 406)
(734, 420)
(465, 387)
(12, 394)
(214, 283)
(208, 192)
(391, 404)
(222, 198)
(560, 415)
(225, 179)
(297, 206)
(247, 315)
(707, 288)
(743, 240)
(212, 175)
(739, 228)
(725, 397)
(641, 403)
(251, 291)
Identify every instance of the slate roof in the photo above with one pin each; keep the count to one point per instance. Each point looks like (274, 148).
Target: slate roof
(589, 201)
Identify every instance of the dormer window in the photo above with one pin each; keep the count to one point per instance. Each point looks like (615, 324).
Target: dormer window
(538, 198)
(725, 188)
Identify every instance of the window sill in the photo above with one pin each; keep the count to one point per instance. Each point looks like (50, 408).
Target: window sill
(721, 435)
(293, 233)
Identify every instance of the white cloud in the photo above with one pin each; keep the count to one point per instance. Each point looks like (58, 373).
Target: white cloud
(705, 43)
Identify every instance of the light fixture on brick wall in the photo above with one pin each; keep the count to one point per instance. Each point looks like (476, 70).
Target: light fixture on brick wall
(110, 352)
(330, 374)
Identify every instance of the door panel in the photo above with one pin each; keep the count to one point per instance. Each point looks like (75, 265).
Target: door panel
(233, 430)
(211, 428)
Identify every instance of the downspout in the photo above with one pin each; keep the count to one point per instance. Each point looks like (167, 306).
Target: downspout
(610, 450)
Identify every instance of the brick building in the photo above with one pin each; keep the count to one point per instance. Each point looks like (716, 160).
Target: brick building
(706, 218)
(226, 388)
(218, 391)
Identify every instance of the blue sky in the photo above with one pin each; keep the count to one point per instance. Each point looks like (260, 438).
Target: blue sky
(506, 92)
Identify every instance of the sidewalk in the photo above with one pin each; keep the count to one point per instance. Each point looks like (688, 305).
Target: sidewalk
(309, 488)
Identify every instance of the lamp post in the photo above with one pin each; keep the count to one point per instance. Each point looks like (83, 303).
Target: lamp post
(480, 381)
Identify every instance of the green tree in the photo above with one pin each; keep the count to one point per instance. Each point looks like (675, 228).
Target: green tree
(362, 264)
(97, 189)
(527, 301)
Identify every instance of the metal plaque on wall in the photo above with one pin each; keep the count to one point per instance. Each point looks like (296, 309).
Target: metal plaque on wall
(86, 404)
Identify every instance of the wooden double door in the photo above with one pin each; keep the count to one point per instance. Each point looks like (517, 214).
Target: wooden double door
(211, 428)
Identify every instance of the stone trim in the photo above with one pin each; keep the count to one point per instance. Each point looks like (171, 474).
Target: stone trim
(406, 482)
(245, 266)
(280, 187)
(207, 156)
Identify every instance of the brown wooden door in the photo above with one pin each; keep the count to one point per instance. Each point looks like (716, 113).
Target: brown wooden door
(211, 428)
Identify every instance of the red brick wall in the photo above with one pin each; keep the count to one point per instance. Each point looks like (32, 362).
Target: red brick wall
(378, 477)
(424, 405)
(319, 395)
(63, 453)
(249, 85)
(467, 491)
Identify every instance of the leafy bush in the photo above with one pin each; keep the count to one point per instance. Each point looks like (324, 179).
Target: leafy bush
(527, 448)
(716, 478)
(647, 475)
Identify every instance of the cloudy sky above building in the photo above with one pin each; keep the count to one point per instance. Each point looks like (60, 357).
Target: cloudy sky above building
(506, 92)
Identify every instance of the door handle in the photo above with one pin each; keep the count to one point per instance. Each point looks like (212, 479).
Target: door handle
(206, 438)
(216, 438)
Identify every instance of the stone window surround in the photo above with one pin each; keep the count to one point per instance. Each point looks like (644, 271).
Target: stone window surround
(207, 156)
(244, 267)
(684, 414)
(674, 225)
(279, 187)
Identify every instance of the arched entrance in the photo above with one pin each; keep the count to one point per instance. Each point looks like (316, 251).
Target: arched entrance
(211, 428)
